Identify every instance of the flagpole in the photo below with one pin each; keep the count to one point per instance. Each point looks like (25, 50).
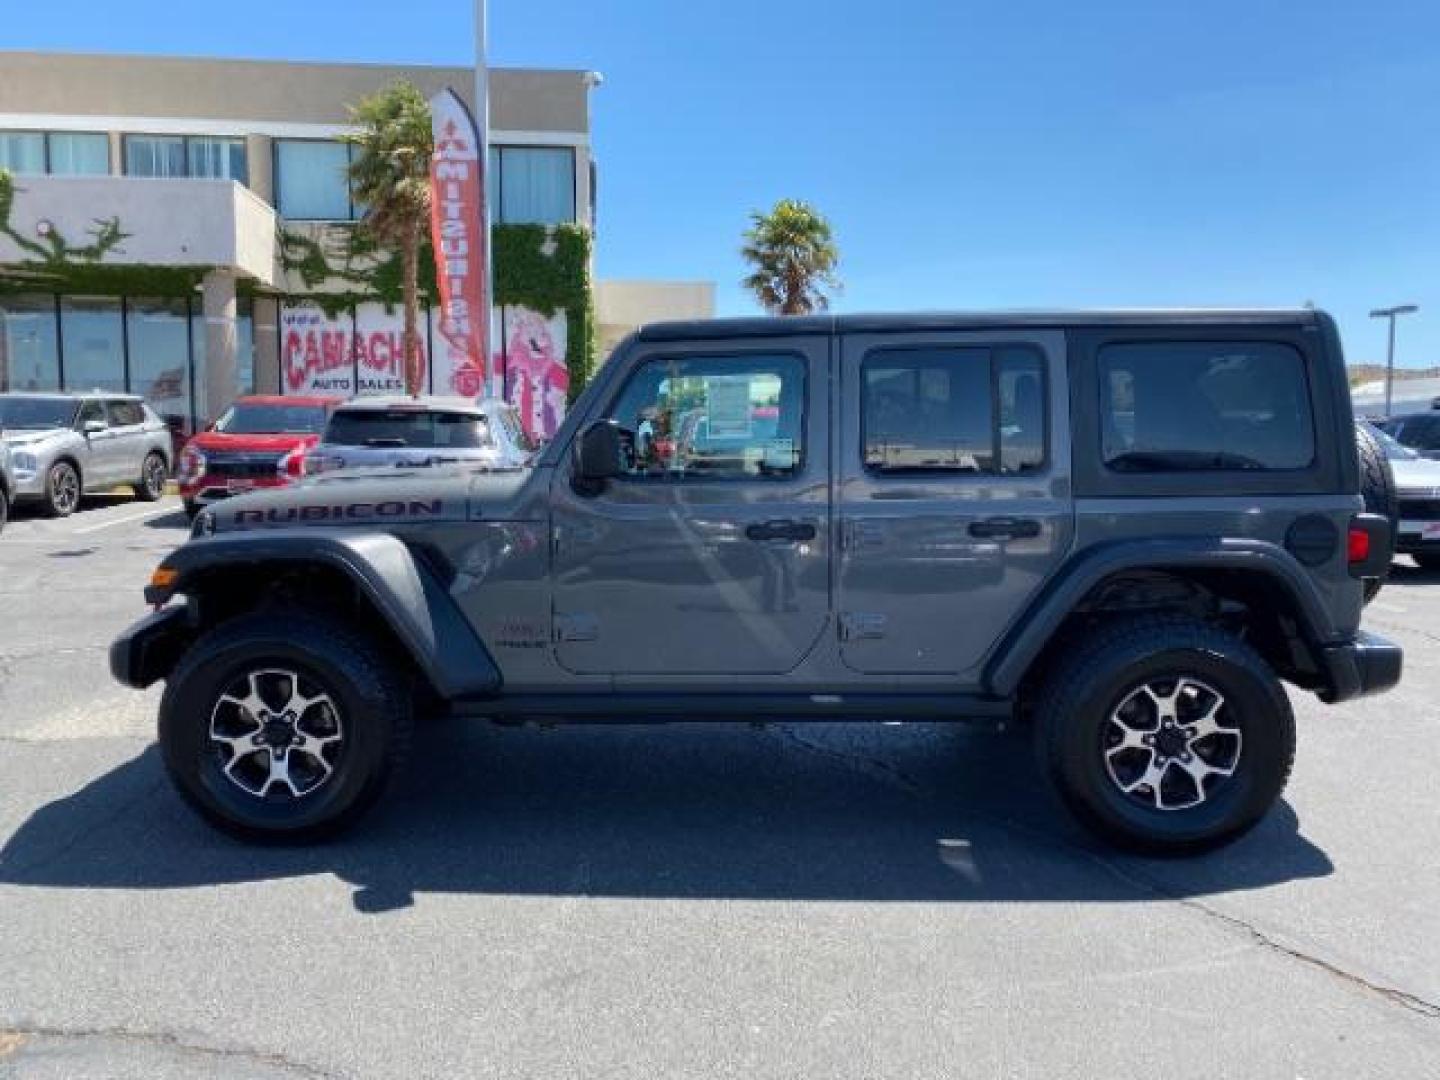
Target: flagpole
(494, 381)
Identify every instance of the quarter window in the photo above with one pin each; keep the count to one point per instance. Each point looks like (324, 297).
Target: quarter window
(957, 409)
(1205, 406)
(714, 417)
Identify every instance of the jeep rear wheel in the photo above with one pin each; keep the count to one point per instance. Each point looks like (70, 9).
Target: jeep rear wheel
(1165, 735)
(283, 727)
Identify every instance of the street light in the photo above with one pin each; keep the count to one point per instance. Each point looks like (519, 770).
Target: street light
(1390, 313)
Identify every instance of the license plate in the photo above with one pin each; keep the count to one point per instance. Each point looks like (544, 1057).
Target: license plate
(249, 485)
(1430, 530)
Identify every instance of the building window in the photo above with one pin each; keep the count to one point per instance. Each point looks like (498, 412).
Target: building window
(154, 155)
(79, 153)
(532, 184)
(22, 151)
(218, 159)
(94, 344)
(312, 180)
(958, 409)
(1198, 405)
(158, 340)
(202, 157)
(29, 345)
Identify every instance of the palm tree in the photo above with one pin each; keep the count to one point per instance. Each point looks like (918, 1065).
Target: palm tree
(390, 177)
(794, 255)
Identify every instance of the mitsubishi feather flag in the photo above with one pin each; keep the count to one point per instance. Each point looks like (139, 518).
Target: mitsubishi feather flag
(458, 232)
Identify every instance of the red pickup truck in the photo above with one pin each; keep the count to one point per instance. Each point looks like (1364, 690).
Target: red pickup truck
(260, 442)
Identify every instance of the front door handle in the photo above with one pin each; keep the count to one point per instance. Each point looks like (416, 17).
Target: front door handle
(1005, 528)
(780, 532)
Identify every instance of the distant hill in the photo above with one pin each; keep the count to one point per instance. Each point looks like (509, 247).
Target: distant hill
(1363, 373)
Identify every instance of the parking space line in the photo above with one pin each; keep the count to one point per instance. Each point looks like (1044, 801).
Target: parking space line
(153, 512)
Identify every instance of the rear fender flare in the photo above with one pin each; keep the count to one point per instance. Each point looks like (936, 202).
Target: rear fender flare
(1042, 618)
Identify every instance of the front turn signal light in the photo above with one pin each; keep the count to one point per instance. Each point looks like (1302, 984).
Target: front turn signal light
(164, 577)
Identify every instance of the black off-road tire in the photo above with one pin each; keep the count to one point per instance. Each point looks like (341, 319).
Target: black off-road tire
(1377, 488)
(153, 476)
(63, 489)
(372, 699)
(4, 508)
(1072, 723)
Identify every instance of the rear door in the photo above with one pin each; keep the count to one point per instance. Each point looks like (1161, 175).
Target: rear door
(953, 493)
(129, 440)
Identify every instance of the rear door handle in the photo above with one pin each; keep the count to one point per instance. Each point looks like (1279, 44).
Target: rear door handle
(1005, 528)
(784, 532)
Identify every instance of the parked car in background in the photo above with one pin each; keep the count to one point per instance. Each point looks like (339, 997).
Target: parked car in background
(7, 482)
(1420, 431)
(259, 442)
(407, 431)
(63, 445)
(1417, 499)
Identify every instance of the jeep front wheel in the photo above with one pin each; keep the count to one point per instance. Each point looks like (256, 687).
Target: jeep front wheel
(1166, 735)
(283, 727)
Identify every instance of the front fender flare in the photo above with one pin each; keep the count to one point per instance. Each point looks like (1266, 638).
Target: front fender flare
(405, 591)
(1033, 630)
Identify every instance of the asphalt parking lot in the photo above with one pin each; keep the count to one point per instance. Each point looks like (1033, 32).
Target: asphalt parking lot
(797, 901)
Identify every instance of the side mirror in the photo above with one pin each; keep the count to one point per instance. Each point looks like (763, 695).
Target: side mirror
(94, 427)
(599, 453)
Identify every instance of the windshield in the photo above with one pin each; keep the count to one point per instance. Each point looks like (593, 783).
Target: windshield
(242, 419)
(21, 413)
(1393, 449)
(407, 428)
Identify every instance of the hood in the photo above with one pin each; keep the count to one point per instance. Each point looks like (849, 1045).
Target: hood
(280, 443)
(29, 437)
(1417, 475)
(371, 498)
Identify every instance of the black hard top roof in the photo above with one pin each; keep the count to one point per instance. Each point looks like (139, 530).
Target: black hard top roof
(691, 329)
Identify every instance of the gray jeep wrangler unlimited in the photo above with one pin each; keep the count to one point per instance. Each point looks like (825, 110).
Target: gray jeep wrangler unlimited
(1127, 528)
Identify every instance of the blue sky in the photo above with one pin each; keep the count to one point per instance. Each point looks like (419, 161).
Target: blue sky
(970, 154)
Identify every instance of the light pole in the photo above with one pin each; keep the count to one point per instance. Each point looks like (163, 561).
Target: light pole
(1390, 313)
(495, 383)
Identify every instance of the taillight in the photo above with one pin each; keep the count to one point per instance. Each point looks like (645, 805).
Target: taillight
(1357, 546)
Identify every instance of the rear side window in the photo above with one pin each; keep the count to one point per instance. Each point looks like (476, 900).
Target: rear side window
(406, 428)
(125, 413)
(1205, 406)
(958, 409)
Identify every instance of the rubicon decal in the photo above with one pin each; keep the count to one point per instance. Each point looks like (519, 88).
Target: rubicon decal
(360, 511)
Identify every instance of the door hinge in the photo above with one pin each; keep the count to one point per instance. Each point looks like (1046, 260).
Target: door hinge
(576, 628)
(861, 625)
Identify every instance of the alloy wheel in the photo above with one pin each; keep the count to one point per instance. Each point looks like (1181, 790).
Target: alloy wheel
(65, 489)
(277, 734)
(1171, 744)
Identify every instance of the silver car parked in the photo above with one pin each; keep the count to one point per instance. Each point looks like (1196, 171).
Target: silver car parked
(375, 432)
(64, 445)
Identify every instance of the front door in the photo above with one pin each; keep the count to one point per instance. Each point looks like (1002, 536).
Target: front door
(711, 555)
(953, 499)
(97, 456)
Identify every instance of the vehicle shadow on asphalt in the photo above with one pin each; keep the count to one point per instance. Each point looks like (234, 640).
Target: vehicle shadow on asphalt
(939, 813)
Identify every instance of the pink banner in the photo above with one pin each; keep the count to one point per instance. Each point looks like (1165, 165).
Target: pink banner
(458, 232)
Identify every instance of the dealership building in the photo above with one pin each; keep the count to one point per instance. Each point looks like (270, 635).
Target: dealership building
(183, 229)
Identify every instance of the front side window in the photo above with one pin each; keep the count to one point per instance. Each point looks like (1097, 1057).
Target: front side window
(1202, 406)
(714, 417)
(312, 180)
(401, 428)
(956, 409)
